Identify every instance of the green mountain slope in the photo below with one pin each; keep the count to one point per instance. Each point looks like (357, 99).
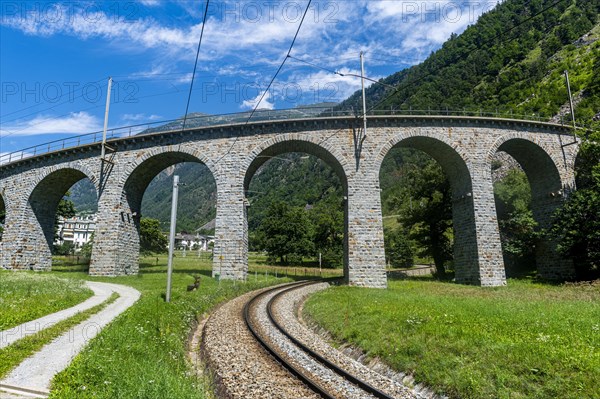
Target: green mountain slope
(511, 60)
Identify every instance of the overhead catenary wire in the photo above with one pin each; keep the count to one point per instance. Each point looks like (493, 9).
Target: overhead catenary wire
(282, 63)
(273, 79)
(343, 74)
(195, 66)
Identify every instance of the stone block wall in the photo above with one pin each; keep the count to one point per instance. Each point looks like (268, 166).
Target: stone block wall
(463, 146)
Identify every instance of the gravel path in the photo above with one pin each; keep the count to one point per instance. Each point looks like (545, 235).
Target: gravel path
(36, 372)
(101, 294)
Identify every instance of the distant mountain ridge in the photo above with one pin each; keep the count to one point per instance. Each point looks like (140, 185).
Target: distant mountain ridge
(199, 119)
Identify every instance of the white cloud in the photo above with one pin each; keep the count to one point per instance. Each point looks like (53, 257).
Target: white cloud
(323, 86)
(84, 25)
(137, 118)
(74, 123)
(150, 3)
(238, 47)
(264, 104)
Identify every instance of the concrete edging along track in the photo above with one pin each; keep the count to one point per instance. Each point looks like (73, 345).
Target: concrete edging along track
(36, 372)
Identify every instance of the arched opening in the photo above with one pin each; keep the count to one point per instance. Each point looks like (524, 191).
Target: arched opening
(427, 208)
(517, 226)
(75, 225)
(534, 179)
(297, 216)
(146, 212)
(583, 166)
(63, 230)
(417, 211)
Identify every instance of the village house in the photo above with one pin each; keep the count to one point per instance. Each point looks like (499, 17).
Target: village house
(77, 230)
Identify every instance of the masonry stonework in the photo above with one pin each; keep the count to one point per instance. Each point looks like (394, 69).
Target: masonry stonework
(464, 147)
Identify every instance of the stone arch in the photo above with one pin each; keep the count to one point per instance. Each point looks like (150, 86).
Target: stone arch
(138, 175)
(74, 166)
(292, 143)
(133, 184)
(454, 160)
(548, 188)
(470, 259)
(535, 159)
(48, 189)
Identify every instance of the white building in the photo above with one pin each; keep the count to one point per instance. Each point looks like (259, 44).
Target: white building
(193, 241)
(77, 230)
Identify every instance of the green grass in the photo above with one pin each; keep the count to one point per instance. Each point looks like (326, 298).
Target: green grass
(258, 266)
(526, 340)
(27, 296)
(142, 353)
(14, 354)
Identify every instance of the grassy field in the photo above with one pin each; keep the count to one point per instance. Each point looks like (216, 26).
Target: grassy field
(526, 340)
(27, 296)
(142, 354)
(14, 354)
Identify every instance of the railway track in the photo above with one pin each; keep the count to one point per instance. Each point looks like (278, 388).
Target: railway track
(256, 348)
(320, 374)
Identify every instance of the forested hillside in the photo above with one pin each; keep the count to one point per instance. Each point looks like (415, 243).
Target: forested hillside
(512, 60)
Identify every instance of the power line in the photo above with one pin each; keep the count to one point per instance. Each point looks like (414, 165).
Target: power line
(195, 65)
(272, 80)
(343, 74)
(282, 63)
(450, 62)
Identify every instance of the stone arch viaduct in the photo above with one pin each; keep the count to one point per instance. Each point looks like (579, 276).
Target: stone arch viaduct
(30, 189)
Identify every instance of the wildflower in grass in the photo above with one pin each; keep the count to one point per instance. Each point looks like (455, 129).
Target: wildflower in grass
(543, 338)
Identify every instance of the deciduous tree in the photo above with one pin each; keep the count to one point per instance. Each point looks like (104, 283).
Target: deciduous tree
(152, 239)
(286, 232)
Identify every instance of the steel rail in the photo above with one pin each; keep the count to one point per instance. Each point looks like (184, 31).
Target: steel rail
(298, 372)
(294, 370)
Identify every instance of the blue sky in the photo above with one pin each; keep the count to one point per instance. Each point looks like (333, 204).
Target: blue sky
(56, 57)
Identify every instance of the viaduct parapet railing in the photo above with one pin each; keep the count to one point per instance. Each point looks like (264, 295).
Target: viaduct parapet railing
(261, 116)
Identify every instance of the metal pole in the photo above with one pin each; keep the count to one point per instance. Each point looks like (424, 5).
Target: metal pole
(172, 235)
(364, 98)
(106, 118)
(570, 98)
(320, 269)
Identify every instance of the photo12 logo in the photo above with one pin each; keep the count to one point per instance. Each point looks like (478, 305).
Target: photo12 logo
(65, 12)
(444, 11)
(271, 11)
(66, 92)
(245, 93)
